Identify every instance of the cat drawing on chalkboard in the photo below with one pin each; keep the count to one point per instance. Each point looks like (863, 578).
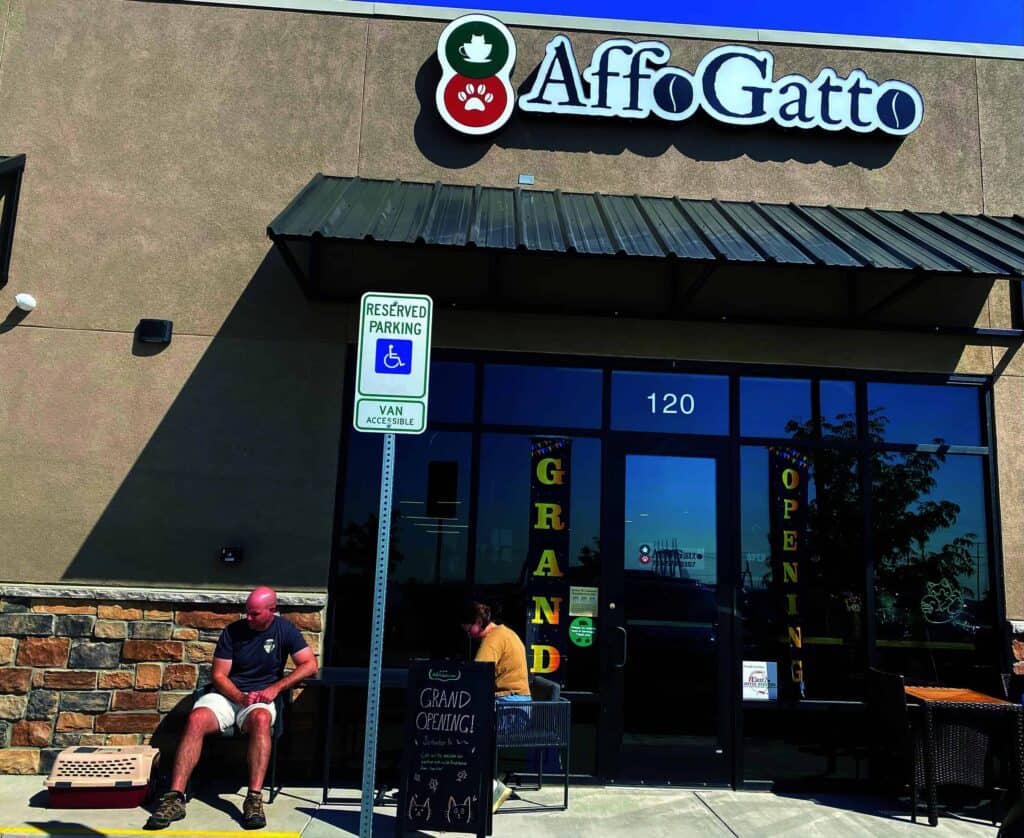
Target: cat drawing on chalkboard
(419, 811)
(458, 812)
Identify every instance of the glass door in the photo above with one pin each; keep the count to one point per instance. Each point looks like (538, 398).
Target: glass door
(667, 615)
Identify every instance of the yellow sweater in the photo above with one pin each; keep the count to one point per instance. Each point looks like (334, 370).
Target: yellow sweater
(503, 647)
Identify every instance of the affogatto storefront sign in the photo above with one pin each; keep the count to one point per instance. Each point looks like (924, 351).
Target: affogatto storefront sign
(634, 80)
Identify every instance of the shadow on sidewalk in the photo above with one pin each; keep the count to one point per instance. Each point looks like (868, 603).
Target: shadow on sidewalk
(348, 821)
(63, 827)
(965, 806)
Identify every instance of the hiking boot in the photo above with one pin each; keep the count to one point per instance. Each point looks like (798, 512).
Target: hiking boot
(170, 808)
(252, 811)
(500, 795)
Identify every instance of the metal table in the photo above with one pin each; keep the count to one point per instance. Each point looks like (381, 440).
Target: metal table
(331, 678)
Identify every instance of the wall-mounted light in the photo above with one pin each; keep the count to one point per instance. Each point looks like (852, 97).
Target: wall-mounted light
(231, 555)
(26, 302)
(154, 331)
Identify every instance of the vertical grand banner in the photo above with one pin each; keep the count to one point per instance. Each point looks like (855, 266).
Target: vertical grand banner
(547, 589)
(788, 475)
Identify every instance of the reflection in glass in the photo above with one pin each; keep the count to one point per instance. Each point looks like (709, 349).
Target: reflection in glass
(670, 613)
(503, 534)
(925, 413)
(558, 397)
(769, 405)
(451, 391)
(838, 409)
(673, 403)
(504, 508)
(933, 598)
(427, 556)
(831, 600)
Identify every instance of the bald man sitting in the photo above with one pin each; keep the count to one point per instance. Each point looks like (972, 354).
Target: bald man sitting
(248, 674)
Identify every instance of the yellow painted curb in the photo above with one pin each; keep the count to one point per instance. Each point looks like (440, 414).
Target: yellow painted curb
(86, 830)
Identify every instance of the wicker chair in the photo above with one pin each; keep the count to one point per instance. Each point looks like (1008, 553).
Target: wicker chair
(898, 753)
(541, 724)
(977, 745)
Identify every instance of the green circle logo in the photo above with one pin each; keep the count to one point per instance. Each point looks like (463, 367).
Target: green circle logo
(581, 631)
(477, 49)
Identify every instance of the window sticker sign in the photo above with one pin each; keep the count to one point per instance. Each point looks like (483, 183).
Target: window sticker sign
(760, 681)
(582, 601)
(629, 79)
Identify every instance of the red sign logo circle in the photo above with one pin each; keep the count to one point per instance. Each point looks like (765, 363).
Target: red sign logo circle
(475, 103)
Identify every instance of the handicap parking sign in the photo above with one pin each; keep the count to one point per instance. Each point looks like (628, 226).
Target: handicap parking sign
(393, 357)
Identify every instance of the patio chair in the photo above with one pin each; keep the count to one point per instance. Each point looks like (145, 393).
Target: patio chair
(542, 724)
(898, 753)
(282, 703)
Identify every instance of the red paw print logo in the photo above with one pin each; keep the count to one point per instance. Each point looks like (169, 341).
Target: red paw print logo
(475, 95)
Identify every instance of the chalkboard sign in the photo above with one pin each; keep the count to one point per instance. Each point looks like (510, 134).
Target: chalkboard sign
(448, 750)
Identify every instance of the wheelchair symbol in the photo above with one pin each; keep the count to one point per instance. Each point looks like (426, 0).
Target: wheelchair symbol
(391, 359)
(393, 356)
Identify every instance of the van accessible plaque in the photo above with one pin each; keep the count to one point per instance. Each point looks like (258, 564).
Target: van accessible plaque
(393, 363)
(634, 80)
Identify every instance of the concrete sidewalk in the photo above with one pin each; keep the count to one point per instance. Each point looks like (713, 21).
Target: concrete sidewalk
(593, 811)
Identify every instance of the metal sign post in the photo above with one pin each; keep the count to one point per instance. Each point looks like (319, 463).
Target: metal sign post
(392, 383)
(380, 585)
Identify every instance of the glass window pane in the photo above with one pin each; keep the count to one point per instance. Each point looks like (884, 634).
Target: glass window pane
(670, 403)
(503, 534)
(818, 586)
(838, 409)
(924, 413)
(934, 614)
(559, 397)
(427, 562)
(451, 391)
(774, 406)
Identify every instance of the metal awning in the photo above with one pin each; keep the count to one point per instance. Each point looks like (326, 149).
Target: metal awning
(695, 236)
(11, 170)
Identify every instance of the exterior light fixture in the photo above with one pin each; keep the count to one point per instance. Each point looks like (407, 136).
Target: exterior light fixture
(231, 555)
(26, 302)
(154, 331)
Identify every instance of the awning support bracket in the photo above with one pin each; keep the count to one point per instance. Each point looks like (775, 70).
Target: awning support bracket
(912, 284)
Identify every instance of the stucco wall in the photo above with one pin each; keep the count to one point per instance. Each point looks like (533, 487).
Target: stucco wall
(161, 140)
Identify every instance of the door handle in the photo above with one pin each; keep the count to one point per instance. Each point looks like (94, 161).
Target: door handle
(625, 647)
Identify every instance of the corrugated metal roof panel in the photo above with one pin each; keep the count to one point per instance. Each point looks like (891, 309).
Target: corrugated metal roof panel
(812, 239)
(673, 228)
(403, 212)
(450, 216)
(969, 237)
(948, 247)
(864, 248)
(719, 232)
(494, 224)
(456, 216)
(354, 212)
(634, 234)
(539, 225)
(766, 237)
(306, 212)
(585, 231)
(906, 246)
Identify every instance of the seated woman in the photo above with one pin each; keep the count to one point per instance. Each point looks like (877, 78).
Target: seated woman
(502, 647)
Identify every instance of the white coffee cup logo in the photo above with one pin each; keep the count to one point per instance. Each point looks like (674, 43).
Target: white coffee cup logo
(477, 50)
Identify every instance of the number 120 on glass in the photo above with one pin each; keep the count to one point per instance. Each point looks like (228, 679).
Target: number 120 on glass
(670, 403)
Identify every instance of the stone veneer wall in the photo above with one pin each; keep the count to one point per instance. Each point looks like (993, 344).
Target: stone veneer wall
(110, 671)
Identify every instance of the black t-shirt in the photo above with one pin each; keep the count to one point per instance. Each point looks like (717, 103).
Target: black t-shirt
(258, 657)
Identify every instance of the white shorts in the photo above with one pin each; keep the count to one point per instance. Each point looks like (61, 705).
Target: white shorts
(229, 713)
